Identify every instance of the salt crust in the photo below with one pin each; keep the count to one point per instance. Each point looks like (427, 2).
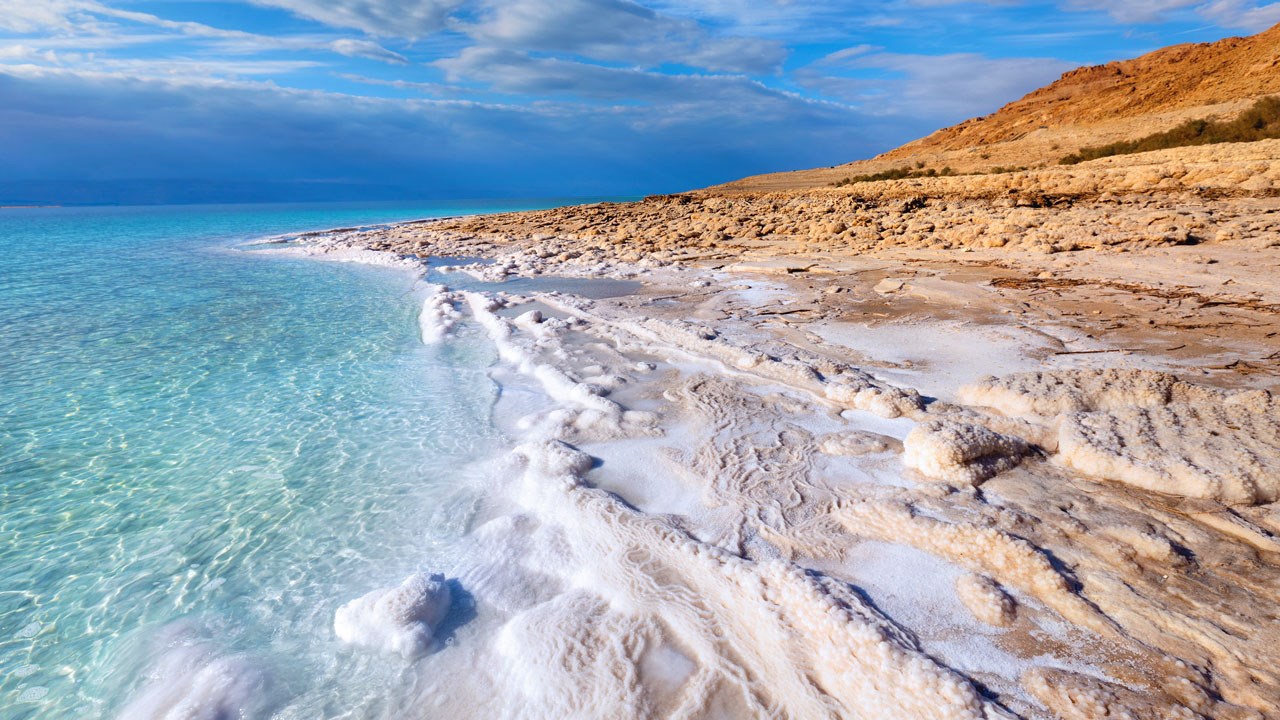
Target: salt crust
(630, 578)
(985, 550)
(338, 247)
(855, 443)
(840, 383)
(836, 656)
(1218, 671)
(1151, 431)
(396, 620)
(585, 411)
(438, 315)
(986, 599)
(1077, 697)
(961, 453)
(603, 584)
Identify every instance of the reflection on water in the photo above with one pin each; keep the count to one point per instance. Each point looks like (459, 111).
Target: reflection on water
(203, 452)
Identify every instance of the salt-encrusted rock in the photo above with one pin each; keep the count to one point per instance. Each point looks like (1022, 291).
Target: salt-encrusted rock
(400, 619)
(889, 285)
(961, 453)
(1152, 431)
(1229, 452)
(987, 601)
(1063, 391)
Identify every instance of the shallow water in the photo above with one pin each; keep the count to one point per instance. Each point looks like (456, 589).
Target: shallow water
(204, 451)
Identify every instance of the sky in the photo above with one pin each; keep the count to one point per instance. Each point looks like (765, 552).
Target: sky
(138, 101)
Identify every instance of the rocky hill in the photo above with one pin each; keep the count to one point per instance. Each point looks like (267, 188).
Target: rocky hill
(1086, 107)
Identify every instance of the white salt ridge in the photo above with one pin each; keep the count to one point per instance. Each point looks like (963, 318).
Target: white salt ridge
(438, 315)
(842, 384)
(585, 411)
(835, 655)
(398, 620)
(1150, 430)
(986, 599)
(344, 248)
(961, 453)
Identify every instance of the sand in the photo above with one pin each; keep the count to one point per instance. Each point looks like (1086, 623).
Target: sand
(910, 473)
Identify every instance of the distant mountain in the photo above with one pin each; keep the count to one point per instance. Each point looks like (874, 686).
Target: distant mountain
(1086, 107)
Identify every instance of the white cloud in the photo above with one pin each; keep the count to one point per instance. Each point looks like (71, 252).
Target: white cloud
(950, 87)
(387, 18)
(619, 31)
(1134, 11)
(84, 25)
(509, 71)
(25, 16)
(1242, 14)
(366, 49)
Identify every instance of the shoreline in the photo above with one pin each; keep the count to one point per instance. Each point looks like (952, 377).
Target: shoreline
(976, 480)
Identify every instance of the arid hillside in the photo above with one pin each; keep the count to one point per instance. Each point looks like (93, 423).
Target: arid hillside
(1086, 107)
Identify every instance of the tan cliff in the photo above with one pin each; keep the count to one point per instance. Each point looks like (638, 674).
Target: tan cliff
(1086, 107)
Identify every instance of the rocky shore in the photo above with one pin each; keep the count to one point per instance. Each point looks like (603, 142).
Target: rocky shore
(1076, 379)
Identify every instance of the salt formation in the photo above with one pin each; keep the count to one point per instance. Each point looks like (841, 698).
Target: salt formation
(1066, 391)
(438, 314)
(344, 247)
(1077, 697)
(838, 382)
(399, 619)
(192, 680)
(961, 453)
(640, 583)
(1150, 430)
(986, 599)
(738, 604)
(585, 410)
(855, 443)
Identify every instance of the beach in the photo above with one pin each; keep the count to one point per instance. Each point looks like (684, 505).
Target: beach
(544, 360)
(901, 478)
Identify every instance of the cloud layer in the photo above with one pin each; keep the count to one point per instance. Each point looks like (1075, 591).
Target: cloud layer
(505, 97)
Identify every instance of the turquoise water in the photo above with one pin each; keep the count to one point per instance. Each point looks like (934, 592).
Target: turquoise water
(209, 449)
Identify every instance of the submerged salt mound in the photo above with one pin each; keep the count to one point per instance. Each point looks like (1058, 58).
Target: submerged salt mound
(961, 453)
(1152, 431)
(194, 680)
(398, 619)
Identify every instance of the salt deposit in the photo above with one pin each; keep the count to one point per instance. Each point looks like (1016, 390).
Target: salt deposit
(772, 463)
(1152, 431)
(986, 599)
(398, 620)
(438, 315)
(193, 680)
(961, 453)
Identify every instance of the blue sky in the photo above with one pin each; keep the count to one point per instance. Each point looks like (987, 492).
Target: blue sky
(488, 98)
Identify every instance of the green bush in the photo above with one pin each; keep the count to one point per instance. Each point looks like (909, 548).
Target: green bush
(1259, 122)
(908, 173)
